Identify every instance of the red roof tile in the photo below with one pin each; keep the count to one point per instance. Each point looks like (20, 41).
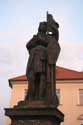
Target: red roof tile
(61, 73)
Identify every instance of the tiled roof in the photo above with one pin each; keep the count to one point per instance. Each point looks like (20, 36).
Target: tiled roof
(61, 73)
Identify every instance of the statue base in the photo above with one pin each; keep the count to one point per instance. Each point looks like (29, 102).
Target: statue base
(34, 113)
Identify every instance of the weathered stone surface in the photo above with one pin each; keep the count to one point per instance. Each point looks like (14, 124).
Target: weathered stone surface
(43, 51)
(34, 113)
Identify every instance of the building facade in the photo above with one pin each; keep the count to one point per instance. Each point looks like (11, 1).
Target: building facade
(69, 86)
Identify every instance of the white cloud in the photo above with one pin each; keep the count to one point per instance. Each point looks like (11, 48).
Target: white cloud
(12, 58)
(71, 55)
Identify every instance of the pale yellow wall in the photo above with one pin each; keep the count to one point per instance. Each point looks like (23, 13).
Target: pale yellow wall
(69, 99)
(18, 92)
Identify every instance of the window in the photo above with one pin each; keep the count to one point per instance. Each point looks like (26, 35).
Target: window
(81, 96)
(58, 94)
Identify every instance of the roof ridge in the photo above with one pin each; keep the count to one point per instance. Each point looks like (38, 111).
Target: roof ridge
(65, 68)
(61, 73)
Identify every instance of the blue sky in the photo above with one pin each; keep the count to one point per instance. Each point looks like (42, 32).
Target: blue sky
(19, 20)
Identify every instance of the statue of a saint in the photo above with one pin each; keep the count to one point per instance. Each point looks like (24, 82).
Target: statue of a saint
(44, 50)
(36, 68)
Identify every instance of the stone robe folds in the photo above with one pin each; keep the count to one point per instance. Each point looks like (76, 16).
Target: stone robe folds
(37, 60)
(53, 51)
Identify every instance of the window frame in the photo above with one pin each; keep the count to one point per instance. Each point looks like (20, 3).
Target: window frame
(80, 96)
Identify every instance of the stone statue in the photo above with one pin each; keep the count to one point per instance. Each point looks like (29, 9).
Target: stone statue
(36, 68)
(40, 104)
(43, 50)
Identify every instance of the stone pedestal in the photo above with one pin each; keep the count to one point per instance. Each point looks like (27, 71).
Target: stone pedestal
(34, 113)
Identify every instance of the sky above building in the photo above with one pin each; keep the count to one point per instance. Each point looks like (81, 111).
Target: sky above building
(19, 22)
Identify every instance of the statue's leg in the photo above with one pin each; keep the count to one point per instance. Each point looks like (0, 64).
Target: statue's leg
(37, 82)
(53, 80)
(42, 86)
(48, 82)
(31, 87)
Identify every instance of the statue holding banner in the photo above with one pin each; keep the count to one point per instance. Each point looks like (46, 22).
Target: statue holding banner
(43, 50)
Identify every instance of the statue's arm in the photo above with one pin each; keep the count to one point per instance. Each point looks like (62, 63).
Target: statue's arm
(35, 41)
(31, 43)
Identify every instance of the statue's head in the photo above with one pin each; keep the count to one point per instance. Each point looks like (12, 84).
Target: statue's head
(42, 27)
